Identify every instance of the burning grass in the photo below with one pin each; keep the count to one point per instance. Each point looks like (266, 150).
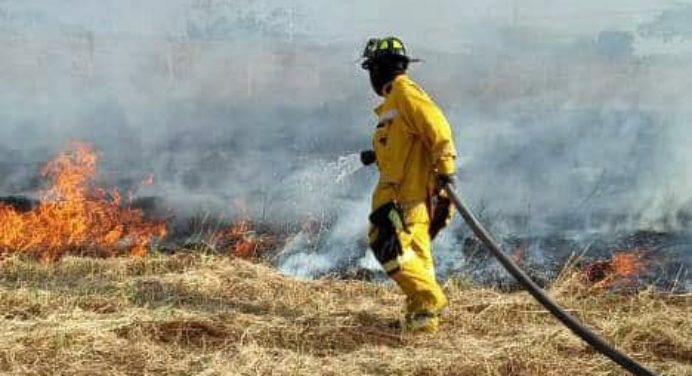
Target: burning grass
(215, 315)
(624, 266)
(76, 215)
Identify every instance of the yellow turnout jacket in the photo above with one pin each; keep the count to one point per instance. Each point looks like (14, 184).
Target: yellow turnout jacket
(413, 143)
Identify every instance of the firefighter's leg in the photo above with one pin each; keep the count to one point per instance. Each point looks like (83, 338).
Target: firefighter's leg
(406, 257)
(416, 277)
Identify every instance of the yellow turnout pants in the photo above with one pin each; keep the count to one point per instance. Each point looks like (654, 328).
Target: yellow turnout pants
(414, 270)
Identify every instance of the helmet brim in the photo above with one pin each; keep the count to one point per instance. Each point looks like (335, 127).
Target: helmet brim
(368, 63)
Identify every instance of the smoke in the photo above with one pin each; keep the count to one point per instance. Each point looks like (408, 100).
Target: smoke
(670, 24)
(568, 120)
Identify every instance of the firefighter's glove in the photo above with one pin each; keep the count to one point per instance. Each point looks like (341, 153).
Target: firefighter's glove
(368, 157)
(443, 180)
(442, 214)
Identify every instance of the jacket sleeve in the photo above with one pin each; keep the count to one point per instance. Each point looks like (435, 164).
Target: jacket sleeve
(428, 122)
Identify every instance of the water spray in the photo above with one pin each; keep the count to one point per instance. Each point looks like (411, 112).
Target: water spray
(593, 339)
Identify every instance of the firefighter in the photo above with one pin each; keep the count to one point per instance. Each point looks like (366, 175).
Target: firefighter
(415, 155)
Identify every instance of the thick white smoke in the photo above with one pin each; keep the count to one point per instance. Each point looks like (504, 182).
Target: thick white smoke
(569, 117)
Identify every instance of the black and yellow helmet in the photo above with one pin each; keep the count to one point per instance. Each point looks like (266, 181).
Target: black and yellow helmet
(389, 47)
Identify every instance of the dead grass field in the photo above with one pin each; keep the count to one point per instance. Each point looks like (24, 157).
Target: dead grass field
(202, 315)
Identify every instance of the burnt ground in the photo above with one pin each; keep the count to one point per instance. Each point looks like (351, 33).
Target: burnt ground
(665, 258)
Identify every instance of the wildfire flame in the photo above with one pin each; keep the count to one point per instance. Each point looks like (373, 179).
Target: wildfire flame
(75, 215)
(628, 264)
(625, 265)
(246, 244)
(242, 239)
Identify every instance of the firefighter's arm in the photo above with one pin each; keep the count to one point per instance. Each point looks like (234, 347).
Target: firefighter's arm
(428, 122)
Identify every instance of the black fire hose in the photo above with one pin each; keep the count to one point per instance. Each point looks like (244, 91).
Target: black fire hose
(573, 324)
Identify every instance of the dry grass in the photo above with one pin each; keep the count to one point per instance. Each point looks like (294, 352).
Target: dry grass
(196, 315)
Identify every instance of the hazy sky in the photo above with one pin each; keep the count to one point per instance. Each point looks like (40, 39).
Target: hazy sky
(420, 22)
(446, 25)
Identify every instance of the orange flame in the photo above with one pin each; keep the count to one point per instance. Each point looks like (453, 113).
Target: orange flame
(625, 265)
(74, 215)
(244, 242)
(628, 264)
(242, 239)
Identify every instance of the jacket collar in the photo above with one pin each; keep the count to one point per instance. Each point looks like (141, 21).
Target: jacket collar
(388, 88)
